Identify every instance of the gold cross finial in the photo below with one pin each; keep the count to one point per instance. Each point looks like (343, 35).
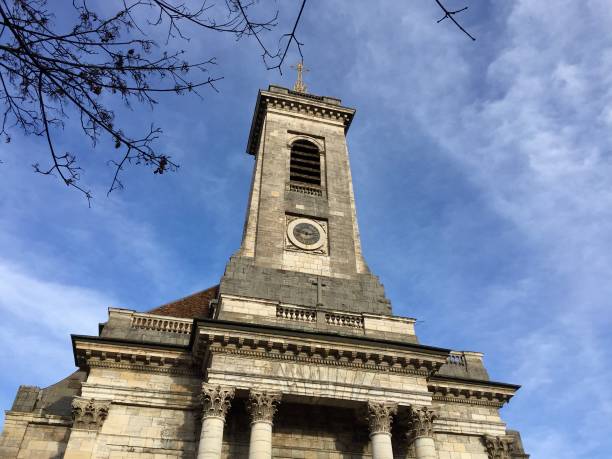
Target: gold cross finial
(299, 85)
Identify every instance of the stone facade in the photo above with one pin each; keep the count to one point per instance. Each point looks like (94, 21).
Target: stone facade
(295, 355)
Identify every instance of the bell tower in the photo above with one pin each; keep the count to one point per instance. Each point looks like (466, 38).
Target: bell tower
(301, 241)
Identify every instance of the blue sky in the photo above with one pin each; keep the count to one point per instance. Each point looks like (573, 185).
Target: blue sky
(482, 179)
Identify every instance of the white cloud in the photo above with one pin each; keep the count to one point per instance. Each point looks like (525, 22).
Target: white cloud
(526, 116)
(37, 318)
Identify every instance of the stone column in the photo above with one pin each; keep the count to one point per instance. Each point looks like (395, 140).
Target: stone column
(216, 402)
(420, 432)
(498, 447)
(380, 417)
(261, 406)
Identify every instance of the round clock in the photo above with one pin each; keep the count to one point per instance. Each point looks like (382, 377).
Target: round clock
(306, 234)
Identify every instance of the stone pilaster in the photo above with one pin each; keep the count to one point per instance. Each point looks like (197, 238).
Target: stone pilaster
(89, 414)
(88, 417)
(216, 402)
(380, 417)
(261, 406)
(498, 447)
(420, 432)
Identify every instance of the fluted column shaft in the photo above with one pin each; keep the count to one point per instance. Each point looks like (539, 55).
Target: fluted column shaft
(421, 432)
(380, 417)
(261, 406)
(216, 402)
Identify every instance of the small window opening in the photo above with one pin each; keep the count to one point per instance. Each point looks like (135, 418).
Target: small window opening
(305, 164)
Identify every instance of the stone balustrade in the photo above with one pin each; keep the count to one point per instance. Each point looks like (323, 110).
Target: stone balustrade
(344, 320)
(148, 322)
(311, 190)
(297, 314)
(456, 358)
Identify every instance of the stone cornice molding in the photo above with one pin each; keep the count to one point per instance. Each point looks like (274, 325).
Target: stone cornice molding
(498, 447)
(380, 416)
(262, 405)
(216, 401)
(89, 414)
(320, 352)
(309, 105)
(420, 422)
(142, 366)
(474, 394)
(133, 356)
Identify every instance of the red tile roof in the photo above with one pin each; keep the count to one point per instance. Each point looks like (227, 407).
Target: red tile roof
(195, 305)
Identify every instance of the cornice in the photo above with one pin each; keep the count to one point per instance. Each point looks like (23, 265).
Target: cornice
(292, 102)
(90, 352)
(227, 326)
(445, 380)
(320, 353)
(473, 392)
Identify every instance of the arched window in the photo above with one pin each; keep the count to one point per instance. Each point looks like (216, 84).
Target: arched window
(305, 166)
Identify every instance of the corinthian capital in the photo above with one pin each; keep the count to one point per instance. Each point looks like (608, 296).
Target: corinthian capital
(380, 416)
(89, 414)
(262, 405)
(420, 422)
(498, 447)
(216, 400)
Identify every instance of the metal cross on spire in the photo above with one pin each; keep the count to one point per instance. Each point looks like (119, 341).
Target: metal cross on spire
(299, 85)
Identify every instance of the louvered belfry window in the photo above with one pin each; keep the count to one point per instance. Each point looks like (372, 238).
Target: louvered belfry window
(305, 163)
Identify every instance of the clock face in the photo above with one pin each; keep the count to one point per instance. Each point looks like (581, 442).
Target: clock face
(306, 233)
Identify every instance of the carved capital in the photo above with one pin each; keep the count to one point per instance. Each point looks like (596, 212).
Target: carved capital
(498, 447)
(420, 422)
(380, 416)
(216, 400)
(262, 406)
(89, 414)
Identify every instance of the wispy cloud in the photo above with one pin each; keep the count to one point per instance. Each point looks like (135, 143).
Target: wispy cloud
(38, 317)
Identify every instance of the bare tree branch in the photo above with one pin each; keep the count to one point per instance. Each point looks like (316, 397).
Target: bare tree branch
(47, 74)
(450, 15)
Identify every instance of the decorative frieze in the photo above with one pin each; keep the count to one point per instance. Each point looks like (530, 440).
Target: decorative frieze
(216, 400)
(380, 416)
(498, 447)
(262, 405)
(420, 422)
(89, 414)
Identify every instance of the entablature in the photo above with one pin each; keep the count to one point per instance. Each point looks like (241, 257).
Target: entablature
(474, 392)
(90, 351)
(278, 98)
(215, 336)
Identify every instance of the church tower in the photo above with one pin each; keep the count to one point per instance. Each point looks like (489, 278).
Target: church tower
(295, 354)
(301, 226)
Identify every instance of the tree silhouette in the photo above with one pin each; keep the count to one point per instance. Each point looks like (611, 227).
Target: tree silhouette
(47, 73)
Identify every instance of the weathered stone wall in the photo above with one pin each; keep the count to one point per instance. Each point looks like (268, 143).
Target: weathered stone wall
(360, 293)
(43, 442)
(452, 446)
